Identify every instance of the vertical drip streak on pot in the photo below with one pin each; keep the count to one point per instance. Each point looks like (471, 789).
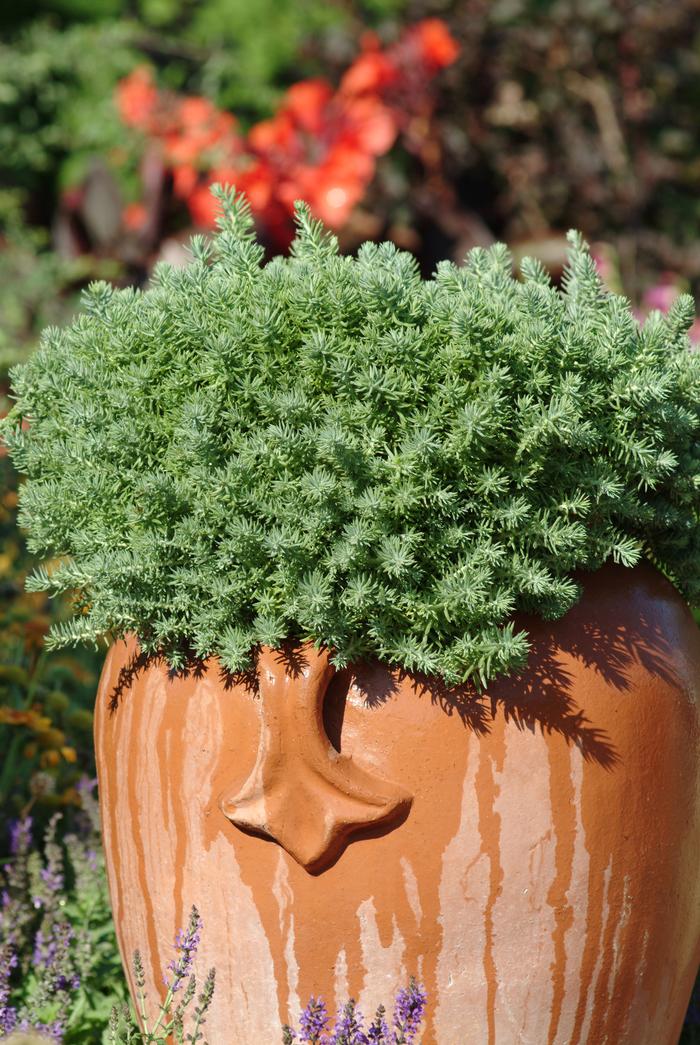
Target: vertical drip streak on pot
(174, 756)
(562, 799)
(624, 930)
(341, 989)
(598, 881)
(463, 878)
(491, 762)
(134, 841)
(105, 722)
(381, 964)
(289, 999)
(160, 863)
(577, 901)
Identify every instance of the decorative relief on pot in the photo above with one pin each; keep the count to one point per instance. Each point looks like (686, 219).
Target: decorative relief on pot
(303, 793)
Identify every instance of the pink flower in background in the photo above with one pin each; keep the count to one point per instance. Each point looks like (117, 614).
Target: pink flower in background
(658, 297)
(662, 295)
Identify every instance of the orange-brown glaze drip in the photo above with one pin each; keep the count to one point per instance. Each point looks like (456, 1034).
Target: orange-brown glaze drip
(561, 793)
(491, 762)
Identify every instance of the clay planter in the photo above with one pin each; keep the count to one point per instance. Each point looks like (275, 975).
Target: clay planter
(531, 855)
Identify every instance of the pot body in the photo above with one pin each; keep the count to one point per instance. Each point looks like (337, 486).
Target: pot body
(530, 854)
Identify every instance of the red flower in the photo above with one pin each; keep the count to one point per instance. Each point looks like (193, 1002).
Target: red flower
(276, 133)
(137, 98)
(307, 102)
(336, 185)
(334, 199)
(196, 127)
(258, 183)
(372, 71)
(196, 112)
(184, 180)
(203, 208)
(134, 216)
(372, 124)
(183, 149)
(437, 45)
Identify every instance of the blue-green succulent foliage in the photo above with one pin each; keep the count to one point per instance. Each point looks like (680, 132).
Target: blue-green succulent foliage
(333, 448)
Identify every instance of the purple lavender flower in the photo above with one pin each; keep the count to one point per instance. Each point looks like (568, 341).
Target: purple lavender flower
(408, 1013)
(52, 954)
(42, 955)
(8, 1015)
(52, 879)
(186, 944)
(378, 1033)
(86, 785)
(348, 1029)
(8, 1020)
(51, 1031)
(15, 912)
(48, 884)
(20, 836)
(313, 1021)
(92, 860)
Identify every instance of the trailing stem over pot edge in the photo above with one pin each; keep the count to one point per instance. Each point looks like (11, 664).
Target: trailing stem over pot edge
(331, 448)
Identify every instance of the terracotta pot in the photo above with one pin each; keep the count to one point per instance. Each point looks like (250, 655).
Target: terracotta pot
(531, 855)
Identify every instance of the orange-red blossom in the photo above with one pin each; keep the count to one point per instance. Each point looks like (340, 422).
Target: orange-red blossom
(321, 145)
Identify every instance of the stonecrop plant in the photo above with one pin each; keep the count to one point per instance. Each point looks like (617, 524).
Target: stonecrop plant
(332, 448)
